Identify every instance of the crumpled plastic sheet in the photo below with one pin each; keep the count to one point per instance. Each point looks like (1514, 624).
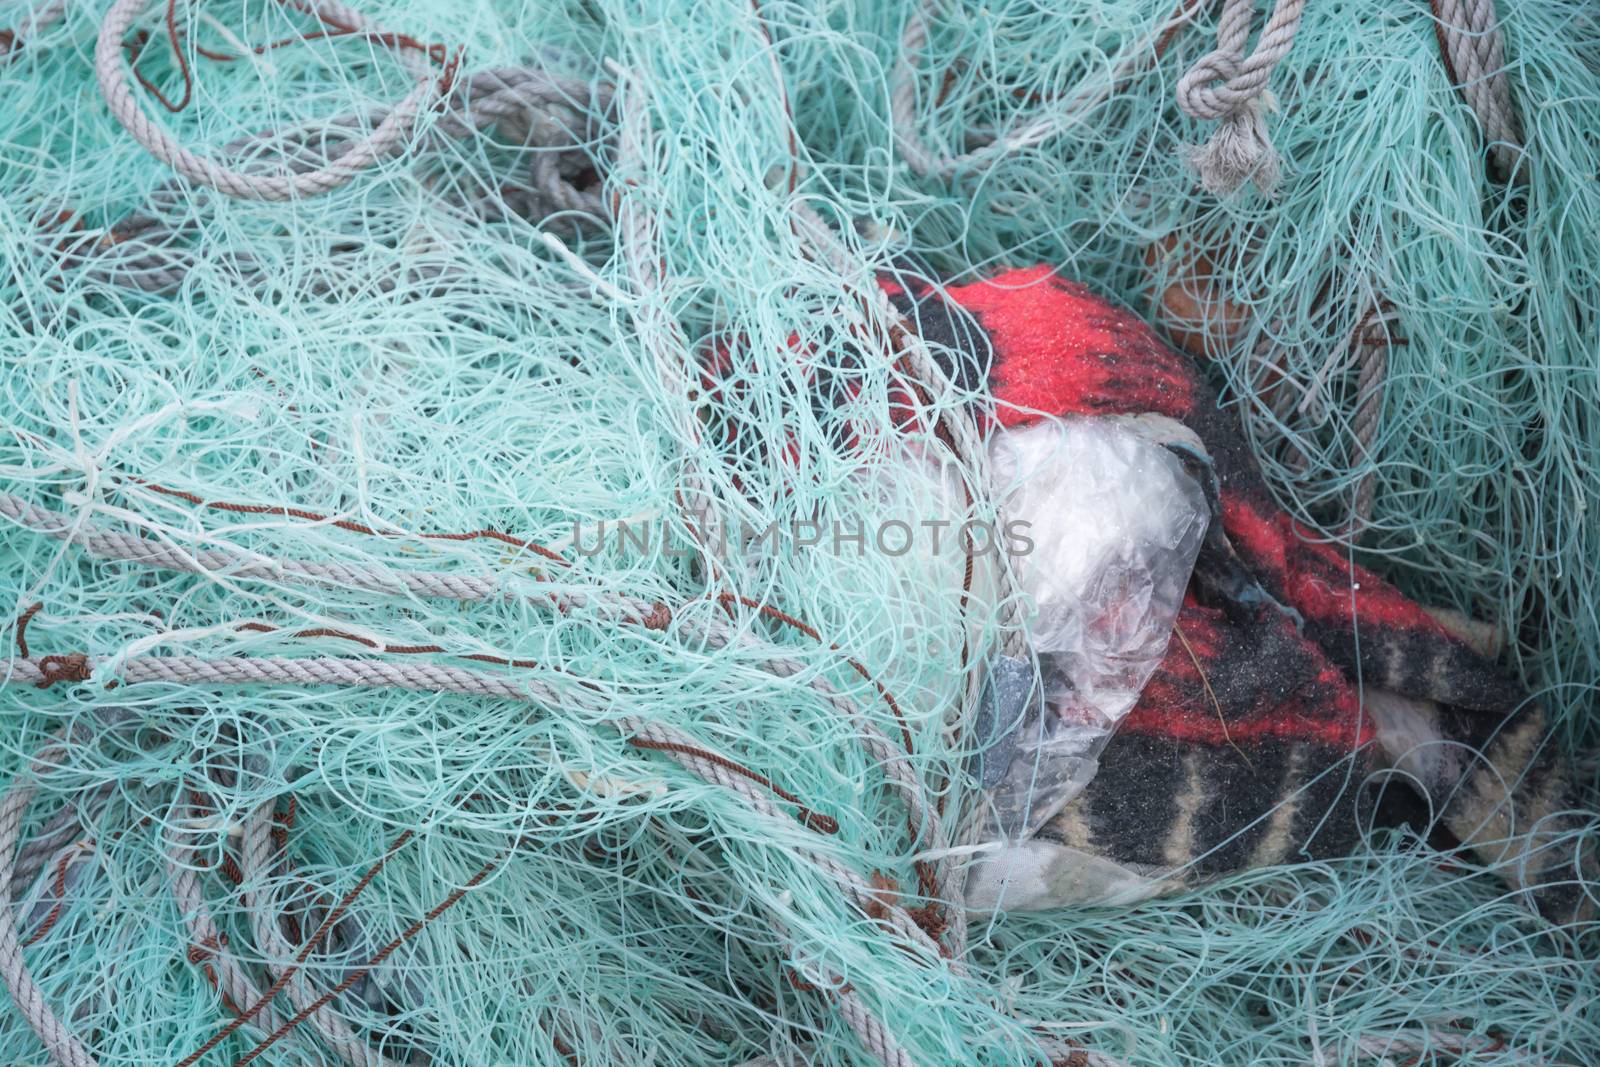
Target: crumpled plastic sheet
(1108, 526)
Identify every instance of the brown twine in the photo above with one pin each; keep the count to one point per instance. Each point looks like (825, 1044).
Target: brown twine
(347, 524)
(660, 617)
(59, 885)
(22, 626)
(816, 821)
(361, 972)
(207, 949)
(71, 667)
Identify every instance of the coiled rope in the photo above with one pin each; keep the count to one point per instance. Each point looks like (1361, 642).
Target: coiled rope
(110, 69)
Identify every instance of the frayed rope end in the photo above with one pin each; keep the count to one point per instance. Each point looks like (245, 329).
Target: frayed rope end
(1238, 151)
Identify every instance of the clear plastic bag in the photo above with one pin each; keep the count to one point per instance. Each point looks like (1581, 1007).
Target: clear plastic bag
(1109, 527)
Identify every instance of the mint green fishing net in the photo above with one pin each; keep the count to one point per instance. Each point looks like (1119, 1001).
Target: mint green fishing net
(593, 811)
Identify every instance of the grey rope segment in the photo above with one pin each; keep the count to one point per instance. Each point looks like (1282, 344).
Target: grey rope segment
(63, 1047)
(903, 100)
(551, 113)
(1226, 84)
(1474, 54)
(869, 1029)
(135, 548)
(268, 670)
(1371, 376)
(231, 979)
(111, 71)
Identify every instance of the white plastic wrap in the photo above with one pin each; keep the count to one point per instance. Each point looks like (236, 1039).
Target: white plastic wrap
(1115, 524)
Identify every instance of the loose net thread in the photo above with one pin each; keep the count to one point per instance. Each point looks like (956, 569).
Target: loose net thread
(410, 354)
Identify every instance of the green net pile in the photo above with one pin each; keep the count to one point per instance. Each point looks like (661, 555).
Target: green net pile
(444, 346)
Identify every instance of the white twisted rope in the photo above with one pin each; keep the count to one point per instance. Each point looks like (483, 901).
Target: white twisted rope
(111, 70)
(63, 1047)
(1227, 85)
(1474, 54)
(135, 548)
(870, 1029)
(419, 675)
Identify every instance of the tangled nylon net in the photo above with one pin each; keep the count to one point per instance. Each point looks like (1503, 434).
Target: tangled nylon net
(330, 338)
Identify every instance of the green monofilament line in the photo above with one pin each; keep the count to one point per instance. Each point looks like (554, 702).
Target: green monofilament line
(410, 354)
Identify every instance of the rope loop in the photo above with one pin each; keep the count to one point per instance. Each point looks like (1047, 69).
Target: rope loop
(70, 667)
(1204, 87)
(111, 71)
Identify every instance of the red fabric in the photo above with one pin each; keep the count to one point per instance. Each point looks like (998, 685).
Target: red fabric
(1061, 350)
(1051, 347)
(1316, 579)
(1225, 681)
